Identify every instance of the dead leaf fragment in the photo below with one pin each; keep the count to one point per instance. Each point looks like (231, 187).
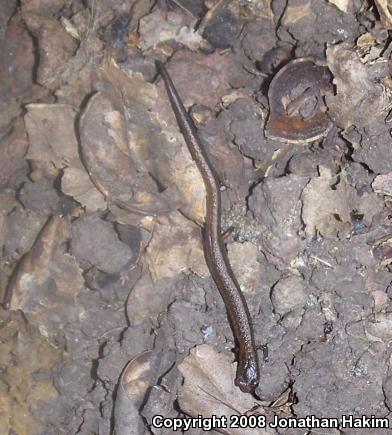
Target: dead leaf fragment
(155, 29)
(148, 298)
(105, 151)
(55, 46)
(137, 377)
(50, 128)
(342, 5)
(329, 201)
(13, 147)
(141, 378)
(7, 204)
(382, 250)
(325, 210)
(383, 184)
(120, 140)
(359, 98)
(96, 241)
(293, 14)
(17, 60)
(75, 182)
(277, 203)
(380, 329)
(175, 248)
(24, 352)
(288, 294)
(385, 10)
(190, 184)
(248, 272)
(209, 388)
(46, 276)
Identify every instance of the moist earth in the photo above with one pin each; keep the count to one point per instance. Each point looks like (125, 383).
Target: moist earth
(110, 315)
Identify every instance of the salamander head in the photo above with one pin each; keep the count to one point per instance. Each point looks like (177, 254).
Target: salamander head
(247, 377)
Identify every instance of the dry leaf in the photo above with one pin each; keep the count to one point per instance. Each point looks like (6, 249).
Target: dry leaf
(342, 5)
(359, 98)
(293, 14)
(385, 10)
(96, 242)
(13, 147)
(46, 277)
(277, 203)
(50, 128)
(329, 201)
(325, 210)
(148, 298)
(175, 248)
(75, 182)
(138, 376)
(383, 184)
(121, 141)
(380, 329)
(188, 179)
(55, 47)
(155, 29)
(104, 146)
(247, 272)
(209, 388)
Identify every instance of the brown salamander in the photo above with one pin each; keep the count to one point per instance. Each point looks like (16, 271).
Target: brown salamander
(247, 376)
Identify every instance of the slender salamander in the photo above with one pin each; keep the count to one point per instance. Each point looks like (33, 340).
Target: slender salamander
(247, 376)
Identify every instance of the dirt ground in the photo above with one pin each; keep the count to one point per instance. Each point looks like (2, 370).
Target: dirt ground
(110, 314)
